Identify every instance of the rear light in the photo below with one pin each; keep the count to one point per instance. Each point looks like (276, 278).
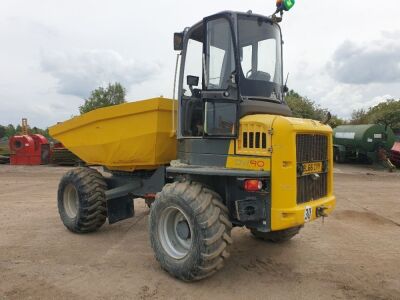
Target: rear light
(253, 185)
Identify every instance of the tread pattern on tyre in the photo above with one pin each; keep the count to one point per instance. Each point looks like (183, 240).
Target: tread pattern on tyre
(92, 211)
(211, 216)
(276, 236)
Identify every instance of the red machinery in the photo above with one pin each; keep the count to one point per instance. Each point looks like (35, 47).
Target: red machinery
(33, 149)
(395, 155)
(63, 157)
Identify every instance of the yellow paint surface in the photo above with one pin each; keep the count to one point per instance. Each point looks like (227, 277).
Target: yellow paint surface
(248, 163)
(138, 136)
(281, 151)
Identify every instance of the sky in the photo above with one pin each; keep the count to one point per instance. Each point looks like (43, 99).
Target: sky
(344, 55)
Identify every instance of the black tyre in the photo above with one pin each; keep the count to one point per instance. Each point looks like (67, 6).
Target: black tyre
(82, 201)
(276, 236)
(190, 230)
(149, 202)
(336, 156)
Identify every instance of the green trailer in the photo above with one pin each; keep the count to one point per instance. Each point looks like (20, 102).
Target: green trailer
(361, 142)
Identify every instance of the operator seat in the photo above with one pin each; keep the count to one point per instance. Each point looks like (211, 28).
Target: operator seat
(260, 75)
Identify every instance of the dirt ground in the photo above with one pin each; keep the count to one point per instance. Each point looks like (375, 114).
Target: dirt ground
(354, 254)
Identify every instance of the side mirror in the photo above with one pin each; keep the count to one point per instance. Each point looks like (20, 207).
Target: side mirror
(285, 89)
(178, 41)
(327, 118)
(192, 80)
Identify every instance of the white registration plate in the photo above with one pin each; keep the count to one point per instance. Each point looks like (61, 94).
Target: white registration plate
(308, 214)
(313, 167)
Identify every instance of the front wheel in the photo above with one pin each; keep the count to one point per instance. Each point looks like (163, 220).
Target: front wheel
(82, 201)
(276, 236)
(189, 230)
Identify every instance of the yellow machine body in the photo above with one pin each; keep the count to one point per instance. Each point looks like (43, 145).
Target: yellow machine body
(279, 157)
(124, 137)
(137, 135)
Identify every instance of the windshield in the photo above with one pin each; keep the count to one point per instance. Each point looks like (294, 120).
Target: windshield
(260, 58)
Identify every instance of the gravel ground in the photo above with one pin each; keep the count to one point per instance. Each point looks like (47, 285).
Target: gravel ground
(354, 254)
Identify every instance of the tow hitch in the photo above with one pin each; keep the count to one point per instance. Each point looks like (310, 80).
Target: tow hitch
(321, 211)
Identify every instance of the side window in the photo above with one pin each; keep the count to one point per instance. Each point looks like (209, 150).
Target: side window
(220, 54)
(246, 59)
(193, 64)
(267, 57)
(216, 57)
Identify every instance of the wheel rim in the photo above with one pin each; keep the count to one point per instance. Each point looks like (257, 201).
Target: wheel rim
(175, 232)
(71, 201)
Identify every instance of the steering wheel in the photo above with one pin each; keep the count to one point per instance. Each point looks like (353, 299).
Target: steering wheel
(258, 75)
(249, 72)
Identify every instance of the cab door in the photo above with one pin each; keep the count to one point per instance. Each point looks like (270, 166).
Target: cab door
(191, 85)
(220, 93)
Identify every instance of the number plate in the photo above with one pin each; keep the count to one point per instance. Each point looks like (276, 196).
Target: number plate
(307, 214)
(310, 168)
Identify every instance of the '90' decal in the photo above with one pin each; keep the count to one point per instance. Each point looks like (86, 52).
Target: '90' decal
(248, 163)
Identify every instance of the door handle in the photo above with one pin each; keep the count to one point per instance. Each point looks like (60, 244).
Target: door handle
(215, 95)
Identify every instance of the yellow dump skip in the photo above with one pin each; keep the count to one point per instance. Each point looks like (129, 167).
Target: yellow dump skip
(124, 137)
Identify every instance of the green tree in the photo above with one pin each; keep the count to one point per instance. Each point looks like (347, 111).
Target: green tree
(18, 129)
(359, 116)
(2, 131)
(36, 130)
(102, 97)
(387, 113)
(303, 107)
(335, 121)
(10, 130)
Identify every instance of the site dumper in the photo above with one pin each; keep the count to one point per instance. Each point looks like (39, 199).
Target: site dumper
(235, 158)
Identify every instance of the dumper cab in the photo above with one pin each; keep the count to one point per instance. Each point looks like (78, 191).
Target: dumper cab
(231, 67)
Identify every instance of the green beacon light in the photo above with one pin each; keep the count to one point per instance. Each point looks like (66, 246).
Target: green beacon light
(288, 4)
(281, 6)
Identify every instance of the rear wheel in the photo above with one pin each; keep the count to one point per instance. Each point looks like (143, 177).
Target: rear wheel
(276, 236)
(82, 201)
(336, 155)
(190, 230)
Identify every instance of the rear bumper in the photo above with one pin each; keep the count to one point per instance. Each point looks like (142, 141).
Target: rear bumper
(294, 217)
